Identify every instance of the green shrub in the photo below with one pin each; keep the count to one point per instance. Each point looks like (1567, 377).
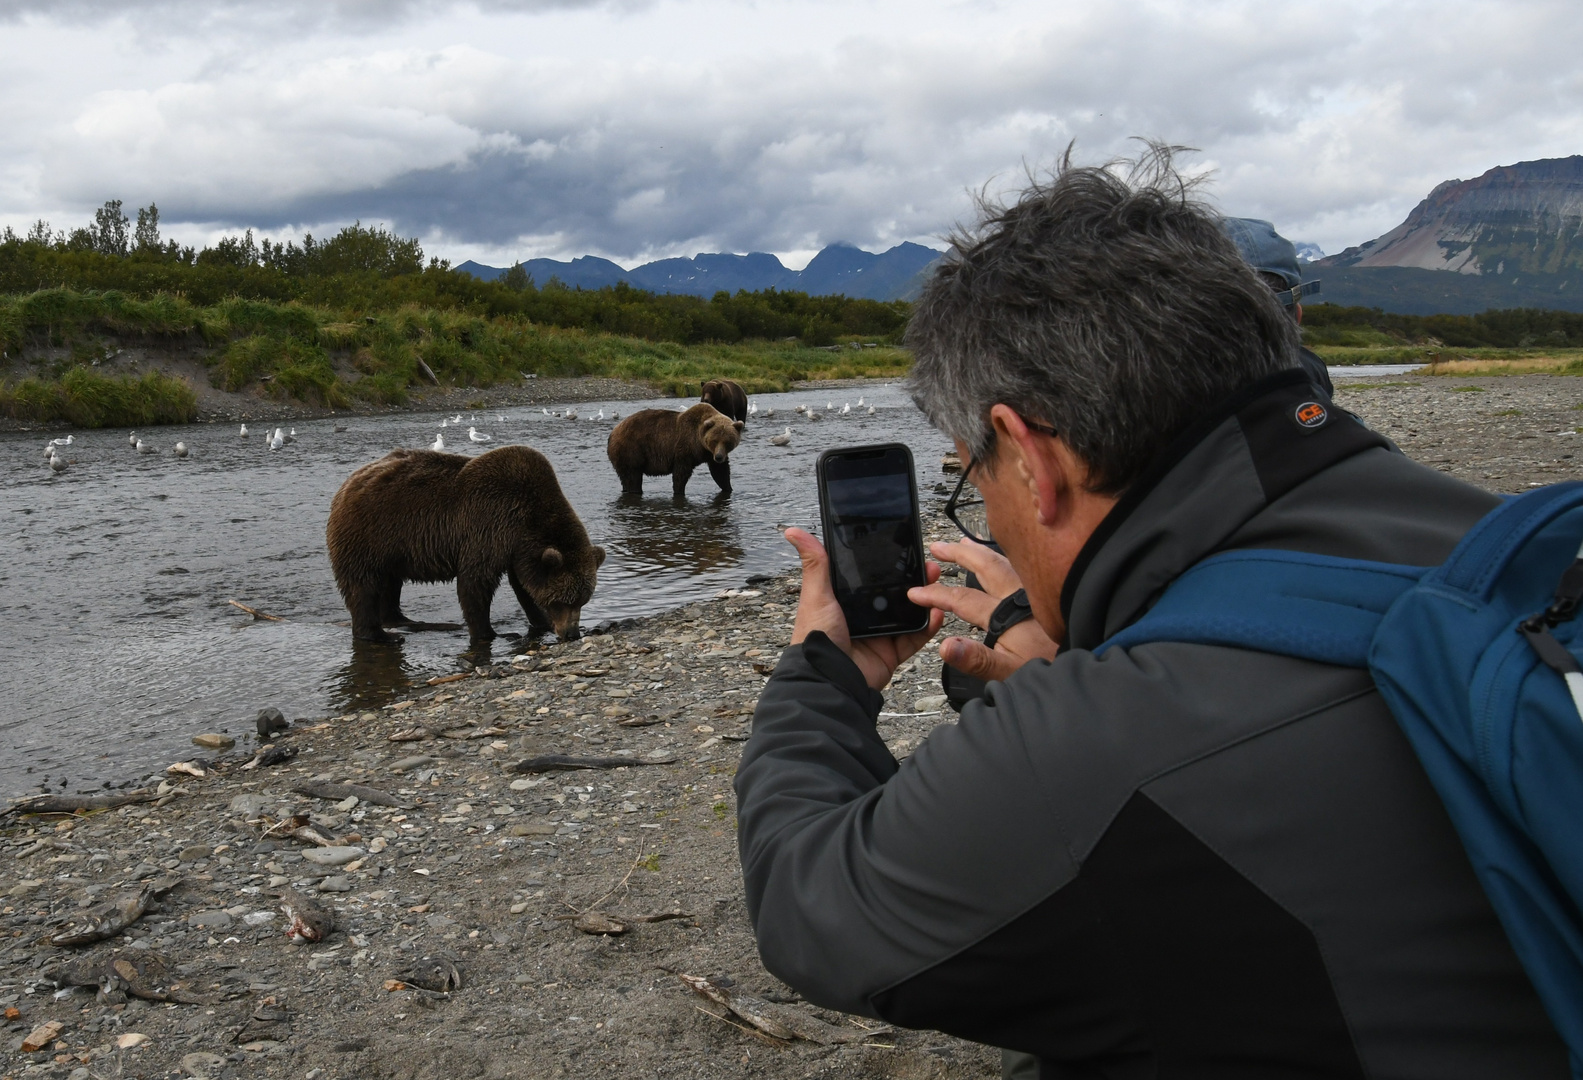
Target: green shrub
(90, 400)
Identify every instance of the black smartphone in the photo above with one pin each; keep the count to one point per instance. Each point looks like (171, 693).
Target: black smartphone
(868, 500)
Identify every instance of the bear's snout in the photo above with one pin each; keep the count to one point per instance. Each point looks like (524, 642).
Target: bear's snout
(720, 459)
(566, 621)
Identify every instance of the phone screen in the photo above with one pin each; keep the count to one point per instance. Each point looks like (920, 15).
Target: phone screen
(870, 507)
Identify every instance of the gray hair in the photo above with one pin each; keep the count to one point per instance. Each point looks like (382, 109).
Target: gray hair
(1106, 302)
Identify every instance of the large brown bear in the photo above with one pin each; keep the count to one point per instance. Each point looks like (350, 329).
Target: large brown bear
(728, 397)
(420, 515)
(659, 442)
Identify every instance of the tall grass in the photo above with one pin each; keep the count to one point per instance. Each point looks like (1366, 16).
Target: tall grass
(89, 399)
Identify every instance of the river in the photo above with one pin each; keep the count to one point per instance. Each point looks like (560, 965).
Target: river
(117, 639)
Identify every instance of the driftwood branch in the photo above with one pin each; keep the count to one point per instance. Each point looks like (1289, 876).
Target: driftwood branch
(257, 614)
(70, 804)
(559, 762)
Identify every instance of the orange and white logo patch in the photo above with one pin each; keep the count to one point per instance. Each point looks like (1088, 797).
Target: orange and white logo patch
(1311, 414)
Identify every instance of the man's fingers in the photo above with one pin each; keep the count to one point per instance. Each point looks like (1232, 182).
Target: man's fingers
(974, 605)
(972, 657)
(809, 549)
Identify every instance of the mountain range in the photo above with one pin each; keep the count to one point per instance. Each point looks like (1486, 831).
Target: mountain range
(1512, 237)
(841, 268)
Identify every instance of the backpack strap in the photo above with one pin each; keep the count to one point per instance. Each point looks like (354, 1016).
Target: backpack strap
(1291, 603)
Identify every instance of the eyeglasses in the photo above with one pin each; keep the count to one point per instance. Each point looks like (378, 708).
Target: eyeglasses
(968, 514)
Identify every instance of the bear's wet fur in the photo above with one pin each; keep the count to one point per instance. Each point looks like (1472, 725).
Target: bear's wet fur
(422, 515)
(728, 397)
(660, 442)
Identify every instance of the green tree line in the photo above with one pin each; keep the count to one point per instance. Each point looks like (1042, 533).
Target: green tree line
(369, 270)
(1515, 328)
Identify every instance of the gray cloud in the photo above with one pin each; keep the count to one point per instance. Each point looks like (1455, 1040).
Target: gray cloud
(719, 135)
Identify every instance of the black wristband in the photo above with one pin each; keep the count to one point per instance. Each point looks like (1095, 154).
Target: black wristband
(1008, 613)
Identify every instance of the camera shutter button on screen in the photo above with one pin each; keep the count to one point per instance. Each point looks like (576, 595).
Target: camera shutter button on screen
(880, 603)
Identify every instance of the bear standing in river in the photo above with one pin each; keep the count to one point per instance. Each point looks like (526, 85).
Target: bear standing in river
(659, 442)
(728, 397)
(420, 515)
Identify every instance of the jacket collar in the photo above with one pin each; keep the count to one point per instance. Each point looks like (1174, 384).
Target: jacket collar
(1259, 444)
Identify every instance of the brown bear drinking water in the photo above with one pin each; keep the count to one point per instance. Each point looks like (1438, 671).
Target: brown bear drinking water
(419, 515)
(659, 442)
(728, 397)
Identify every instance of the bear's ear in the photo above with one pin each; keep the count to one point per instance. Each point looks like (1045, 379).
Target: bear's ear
(739, 425)
(599, 556)
(551, 558)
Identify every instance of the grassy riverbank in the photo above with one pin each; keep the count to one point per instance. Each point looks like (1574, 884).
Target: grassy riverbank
(66, 355)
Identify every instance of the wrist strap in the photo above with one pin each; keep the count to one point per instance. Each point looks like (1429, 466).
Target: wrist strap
(1008, 613)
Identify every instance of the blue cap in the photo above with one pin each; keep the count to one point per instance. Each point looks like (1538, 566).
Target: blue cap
(1268, 252)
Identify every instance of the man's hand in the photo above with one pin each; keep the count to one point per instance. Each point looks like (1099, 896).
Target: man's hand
(817, 609)
(1023, 642)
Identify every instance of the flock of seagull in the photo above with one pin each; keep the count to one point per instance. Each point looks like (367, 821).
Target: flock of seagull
(56, 459)
(811, 414)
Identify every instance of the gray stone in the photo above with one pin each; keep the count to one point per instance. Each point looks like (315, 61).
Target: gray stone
(196, 853)
(202, 1066)
(338, 883)
(211, 920)
(213, 741)
(331, 856)
(416, 761)
(250, 806)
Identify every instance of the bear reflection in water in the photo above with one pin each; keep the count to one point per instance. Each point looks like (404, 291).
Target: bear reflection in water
(421, 515)
(662, 534)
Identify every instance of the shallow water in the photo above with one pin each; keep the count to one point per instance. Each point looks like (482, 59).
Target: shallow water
(1370, 371)
(117, 643)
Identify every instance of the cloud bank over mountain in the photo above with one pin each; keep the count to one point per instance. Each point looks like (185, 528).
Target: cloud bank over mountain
(512, 129)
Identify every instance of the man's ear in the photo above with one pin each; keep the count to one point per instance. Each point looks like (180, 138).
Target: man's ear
(1037, 460)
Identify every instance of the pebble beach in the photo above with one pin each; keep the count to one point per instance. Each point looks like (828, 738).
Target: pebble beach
(539, 877)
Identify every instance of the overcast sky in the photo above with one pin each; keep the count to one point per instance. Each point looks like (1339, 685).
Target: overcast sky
(638, 129)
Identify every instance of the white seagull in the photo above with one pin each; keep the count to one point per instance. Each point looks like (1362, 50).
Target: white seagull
(860, 403)
(277, 440)
(571, 414)
(145, 447)
(477, 436)
(752, 408)
(546, 412)
(61, 442)
(243, 432)
(57, 464)
(871, 410)
(457, 419)
(601, 415)
(812, 415)
(180, 449)
(846, 408)
(291, 438)
(438, 443)
(800, 408)
(782, 439)
(769, 412)
(131, 440)
(444, 422)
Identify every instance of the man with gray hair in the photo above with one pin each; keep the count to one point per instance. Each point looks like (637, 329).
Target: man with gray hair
(1169, 860)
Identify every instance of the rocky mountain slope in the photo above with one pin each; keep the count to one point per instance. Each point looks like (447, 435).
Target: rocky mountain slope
(1514, 220)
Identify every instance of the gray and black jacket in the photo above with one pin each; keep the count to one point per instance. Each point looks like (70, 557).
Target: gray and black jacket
(1177, 861)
